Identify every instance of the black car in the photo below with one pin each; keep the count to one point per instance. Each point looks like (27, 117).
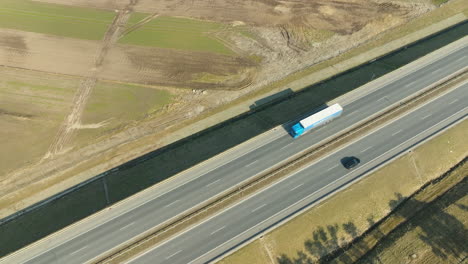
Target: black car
(350, 162)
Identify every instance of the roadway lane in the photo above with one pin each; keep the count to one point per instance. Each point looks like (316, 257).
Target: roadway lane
(218, 230)
(94, 242)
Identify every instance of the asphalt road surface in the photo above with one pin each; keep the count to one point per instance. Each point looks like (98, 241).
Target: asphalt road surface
(191, 246)
(99, 239)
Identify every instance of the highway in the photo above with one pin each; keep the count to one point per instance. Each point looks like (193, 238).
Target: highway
(372, 149)
(93, 241)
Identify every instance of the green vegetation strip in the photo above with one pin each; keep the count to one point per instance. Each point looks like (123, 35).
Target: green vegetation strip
(52, 19)
(175, 33)
(158, 234)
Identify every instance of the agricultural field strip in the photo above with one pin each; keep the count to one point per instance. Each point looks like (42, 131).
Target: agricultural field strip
(175, 23)
(58, 20)
(174, 33)
(53, 16)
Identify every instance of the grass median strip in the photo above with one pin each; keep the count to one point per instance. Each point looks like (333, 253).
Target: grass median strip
(209, 208)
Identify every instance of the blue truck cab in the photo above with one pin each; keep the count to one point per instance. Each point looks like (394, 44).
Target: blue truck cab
(297, 130)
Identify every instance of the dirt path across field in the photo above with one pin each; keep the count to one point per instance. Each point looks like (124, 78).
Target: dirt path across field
(84, 91)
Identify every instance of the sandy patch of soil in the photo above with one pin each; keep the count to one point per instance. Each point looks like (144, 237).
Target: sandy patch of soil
(28, 50)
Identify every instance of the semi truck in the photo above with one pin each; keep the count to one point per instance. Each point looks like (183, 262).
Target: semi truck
(315, 120)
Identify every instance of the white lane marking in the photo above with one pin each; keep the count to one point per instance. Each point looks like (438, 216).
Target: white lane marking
(438, 70)
(172, 203)
(285, 146)
(76, 251)
(256, 209)
(122, 228)
(383, 98)
(426, 116)
(297, 187)
(453, 101)
(352, 112)
(331, 168)
(411, 83)
(461, 58)
(217, 230)
(213, 182)
(170, 256)
(250, 164)
(398, 132)
(366, 149)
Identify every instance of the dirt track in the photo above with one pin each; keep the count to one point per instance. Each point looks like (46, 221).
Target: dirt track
(73, 120)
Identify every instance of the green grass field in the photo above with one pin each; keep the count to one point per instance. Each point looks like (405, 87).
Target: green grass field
(38, 104)
(439, 2)
(176, 33)
(74, 22)
(124, 102)
(117, 105)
